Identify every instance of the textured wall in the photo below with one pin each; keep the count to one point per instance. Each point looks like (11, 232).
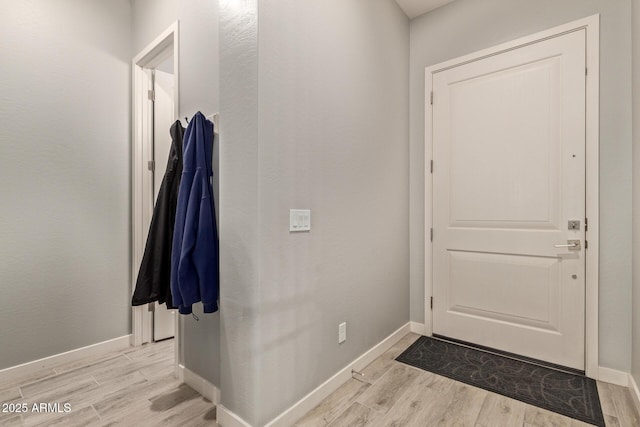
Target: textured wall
(64, 169)
(239, 209)
(199, 57)
(334, 139)
(466, 26)
(150, 18)
(635, 361)
(330, 133)
(199, 91)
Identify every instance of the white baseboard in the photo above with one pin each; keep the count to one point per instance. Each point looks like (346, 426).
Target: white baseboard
(417, 328)
(226, 418)
(10, 374)
(635, 391)
(613, 376)
(311, 400)
(199, 384)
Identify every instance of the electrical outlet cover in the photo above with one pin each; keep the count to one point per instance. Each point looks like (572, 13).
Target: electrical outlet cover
(342, 332)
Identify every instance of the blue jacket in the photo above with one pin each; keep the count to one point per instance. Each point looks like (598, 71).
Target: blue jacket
(194, 257)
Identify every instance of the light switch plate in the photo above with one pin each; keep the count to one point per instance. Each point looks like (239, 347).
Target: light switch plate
(299, 220)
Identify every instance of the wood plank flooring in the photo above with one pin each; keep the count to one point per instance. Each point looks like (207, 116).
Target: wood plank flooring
(394, 394)
(135, 387)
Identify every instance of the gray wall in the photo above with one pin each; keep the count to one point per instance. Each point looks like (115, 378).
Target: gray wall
(239, 208)
(199, 91)
(64, 169)
(315, 115)
(465, 26)
(635, 365)
(199, 58)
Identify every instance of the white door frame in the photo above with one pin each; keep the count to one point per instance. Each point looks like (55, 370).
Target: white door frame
(165, 45)
(592, 27)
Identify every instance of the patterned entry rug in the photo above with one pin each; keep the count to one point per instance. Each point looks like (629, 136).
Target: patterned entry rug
(573, 395)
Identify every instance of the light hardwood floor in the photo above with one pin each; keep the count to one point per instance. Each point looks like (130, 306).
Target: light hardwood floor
(395, 394)
(134, 387)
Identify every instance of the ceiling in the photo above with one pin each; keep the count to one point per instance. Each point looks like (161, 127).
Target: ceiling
(415, 8)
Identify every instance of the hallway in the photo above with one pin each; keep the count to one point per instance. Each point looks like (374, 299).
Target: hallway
(137, 387)
(126, 388)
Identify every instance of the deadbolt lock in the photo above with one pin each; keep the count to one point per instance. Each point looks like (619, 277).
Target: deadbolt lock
(574, 225)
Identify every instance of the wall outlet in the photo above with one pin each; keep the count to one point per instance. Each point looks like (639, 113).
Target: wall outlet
(342, 332)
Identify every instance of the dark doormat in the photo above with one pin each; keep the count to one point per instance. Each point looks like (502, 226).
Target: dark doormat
(575, 396)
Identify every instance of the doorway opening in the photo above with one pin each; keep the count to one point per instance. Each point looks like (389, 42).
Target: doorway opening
(155, 93)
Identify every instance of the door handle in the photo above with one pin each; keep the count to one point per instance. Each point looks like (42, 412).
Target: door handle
(572, 245)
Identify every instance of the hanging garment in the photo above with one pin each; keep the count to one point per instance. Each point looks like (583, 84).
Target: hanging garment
(154, 277)
(194, 260)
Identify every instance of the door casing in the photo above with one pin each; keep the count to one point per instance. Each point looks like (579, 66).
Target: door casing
(142, 200)
(592, 26)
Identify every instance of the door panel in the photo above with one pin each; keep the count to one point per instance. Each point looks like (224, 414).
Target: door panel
(163, 118)
(514, 162)
(477, 277)
(509, 173)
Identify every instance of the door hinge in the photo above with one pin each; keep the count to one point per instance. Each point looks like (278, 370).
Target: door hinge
(586, 71)
(586, 244)
(431, 166)
(431, 303)
(151, 165)
(151, 94)
(431, 97)
(586, 224)
(431, 234)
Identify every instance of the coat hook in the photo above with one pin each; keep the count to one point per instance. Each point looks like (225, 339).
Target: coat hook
(187, 119)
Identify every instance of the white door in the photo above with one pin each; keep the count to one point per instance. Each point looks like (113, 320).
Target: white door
(509, 175)
(163, 118)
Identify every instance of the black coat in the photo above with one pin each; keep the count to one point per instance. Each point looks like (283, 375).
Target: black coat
(155, 270)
